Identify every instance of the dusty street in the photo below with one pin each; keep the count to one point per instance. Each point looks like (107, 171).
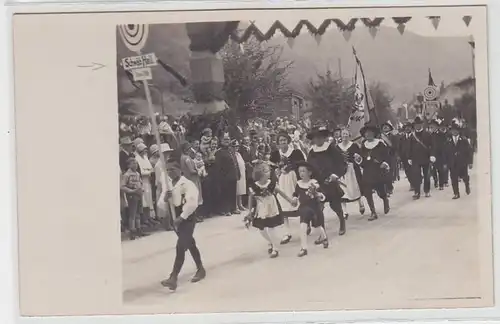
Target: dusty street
(422, 254)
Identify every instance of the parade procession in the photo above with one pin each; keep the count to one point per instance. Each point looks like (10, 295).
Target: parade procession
(301, 182)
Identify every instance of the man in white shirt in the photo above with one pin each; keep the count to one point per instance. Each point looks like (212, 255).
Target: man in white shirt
(184, 195)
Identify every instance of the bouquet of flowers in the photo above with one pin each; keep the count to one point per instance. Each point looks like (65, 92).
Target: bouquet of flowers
(313, 191)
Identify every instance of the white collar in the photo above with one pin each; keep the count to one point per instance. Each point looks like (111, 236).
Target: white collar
(321, 148)
(263, 185)
(305, 185)
(345, 147)
(371, 145)
(288, 151)
(180, 182)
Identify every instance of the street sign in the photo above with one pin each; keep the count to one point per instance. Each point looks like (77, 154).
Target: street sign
(140, 61)
(142, 74)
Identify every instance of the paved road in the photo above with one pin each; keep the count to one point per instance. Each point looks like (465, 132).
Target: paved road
(422, 254)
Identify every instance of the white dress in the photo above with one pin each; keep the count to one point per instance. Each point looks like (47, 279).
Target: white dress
(146, 170)
(241, 185)
(286, 183)
(352, 191)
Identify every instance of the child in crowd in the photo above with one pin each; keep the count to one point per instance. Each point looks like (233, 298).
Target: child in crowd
(206, 140)
(309, 197)
(200, 165)
(132, 187)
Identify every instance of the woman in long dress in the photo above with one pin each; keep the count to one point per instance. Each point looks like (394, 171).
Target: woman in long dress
(241, 184)
(147, 195)
(286, 158)
(352, 178)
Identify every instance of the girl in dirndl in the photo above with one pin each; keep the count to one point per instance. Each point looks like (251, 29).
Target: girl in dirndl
(266, 214)
(286, 158)
(352, 178)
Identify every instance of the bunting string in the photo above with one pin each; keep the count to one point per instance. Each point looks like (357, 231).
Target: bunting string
(345, 28)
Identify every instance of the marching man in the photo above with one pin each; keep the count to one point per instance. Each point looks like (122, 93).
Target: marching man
(459, 157)
(420, 158)
(185, 199)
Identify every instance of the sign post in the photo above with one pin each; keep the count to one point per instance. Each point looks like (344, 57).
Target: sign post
(134, 37)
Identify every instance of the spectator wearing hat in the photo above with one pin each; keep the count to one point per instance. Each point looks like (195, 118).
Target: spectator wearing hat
(126, 152)
(228, 174)
(459, 155)
(162, 185)
(241, 184)
(374, 160)
(404, 150)
(330, 165)
(420, 158)
(146, 169)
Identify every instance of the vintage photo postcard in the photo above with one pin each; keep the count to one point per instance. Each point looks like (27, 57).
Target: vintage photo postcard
(253, 161)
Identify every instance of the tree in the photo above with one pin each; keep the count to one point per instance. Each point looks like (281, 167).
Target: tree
(256, 76)
(382, 101)
(466, 108)
(332, 98)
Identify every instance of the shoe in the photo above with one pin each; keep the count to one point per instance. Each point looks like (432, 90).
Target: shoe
(132, 235)
(346, 216)
(274, 254)
(286, 239)
(236, 212)
(270, 249)
(303, 252)
(325, 243)
(362, 210)
(467, 189)
(342, 230)
(441, 188)
(170, 283)
(199, 275)
(427, 194)
(387, 208)
(318, 241)
(456, 196)
(373, 217)
(416, 196)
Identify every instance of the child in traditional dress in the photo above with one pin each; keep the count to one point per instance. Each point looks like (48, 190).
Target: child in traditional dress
(266, 214)
(309, 197)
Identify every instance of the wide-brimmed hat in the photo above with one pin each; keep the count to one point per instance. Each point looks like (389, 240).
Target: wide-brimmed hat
(455, 126)
(125, 141)
(154, 149)
(369, 127)
(389, 124)
(141, 147)
(165, 148)
(408, 125)
(138, 141)
(285, 135)
(318, 131)
(418, 121)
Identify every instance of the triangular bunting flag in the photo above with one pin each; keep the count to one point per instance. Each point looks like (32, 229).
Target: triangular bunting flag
(467, 20)
(401, 28)
(373, 31)
(290, 41)
(317, 37)
(435, 21)
(347, 34)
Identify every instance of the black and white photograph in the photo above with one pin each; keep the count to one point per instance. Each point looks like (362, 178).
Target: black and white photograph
(301, 164)
(255, 164)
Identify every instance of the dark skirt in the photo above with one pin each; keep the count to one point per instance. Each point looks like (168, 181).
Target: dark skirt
(271, 222)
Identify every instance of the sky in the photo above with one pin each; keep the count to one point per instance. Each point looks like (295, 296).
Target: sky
(448, 26)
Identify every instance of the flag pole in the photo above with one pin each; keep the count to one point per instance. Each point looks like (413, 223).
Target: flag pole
(366, 91)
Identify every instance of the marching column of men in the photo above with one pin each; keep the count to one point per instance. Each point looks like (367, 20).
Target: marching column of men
(438, 152)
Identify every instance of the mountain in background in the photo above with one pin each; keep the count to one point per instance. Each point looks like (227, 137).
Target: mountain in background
(399, 61)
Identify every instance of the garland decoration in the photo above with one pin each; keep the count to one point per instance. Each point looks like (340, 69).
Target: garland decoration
(372, 25)
(435, 21)
(467, 20)
(401, 22)
(252, 30)
(346, 29)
